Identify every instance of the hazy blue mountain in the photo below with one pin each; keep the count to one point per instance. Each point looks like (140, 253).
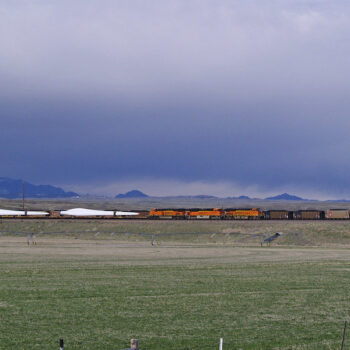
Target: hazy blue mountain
(132, 194)
(198, 196)
(240, 197)
(286, 197)
(10, 188)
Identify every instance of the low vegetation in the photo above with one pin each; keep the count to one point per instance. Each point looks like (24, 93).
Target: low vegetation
(98, 284)
(237, 233)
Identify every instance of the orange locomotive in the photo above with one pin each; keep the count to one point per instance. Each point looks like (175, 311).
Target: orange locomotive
(186, 213)
(167, 214)
(250, 214)
(215, 213)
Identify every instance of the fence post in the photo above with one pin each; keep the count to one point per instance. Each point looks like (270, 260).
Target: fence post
(61, 344)
(343, 342)
(221, 342)
(134, 344)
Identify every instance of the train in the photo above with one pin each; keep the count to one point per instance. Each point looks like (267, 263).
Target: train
(182, 214)
(250, 214)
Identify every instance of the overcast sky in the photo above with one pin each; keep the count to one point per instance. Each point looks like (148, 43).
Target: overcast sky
(177, 97)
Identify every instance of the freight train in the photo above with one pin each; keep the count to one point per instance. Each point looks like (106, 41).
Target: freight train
(249, 214)
(182, 214)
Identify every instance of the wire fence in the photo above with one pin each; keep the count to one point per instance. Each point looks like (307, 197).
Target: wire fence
(221, 344)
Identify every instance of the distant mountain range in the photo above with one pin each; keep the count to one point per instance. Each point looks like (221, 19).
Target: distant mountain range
(132, 194)
(139, 194)
(199, 196)
(10, 188)
(285, 197)
(243, 197)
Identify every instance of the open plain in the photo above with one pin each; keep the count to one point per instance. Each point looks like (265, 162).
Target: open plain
(97, 284)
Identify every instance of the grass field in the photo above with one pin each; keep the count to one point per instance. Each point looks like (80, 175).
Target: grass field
(98, 284)
(244, 233)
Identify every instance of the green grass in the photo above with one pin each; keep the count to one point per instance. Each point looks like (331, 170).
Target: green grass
(246, 233)
(98, 293)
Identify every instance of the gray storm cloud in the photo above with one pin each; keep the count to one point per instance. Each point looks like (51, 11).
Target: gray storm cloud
(251, 93)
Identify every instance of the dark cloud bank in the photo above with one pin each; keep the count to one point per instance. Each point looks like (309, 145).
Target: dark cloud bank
(109, 94)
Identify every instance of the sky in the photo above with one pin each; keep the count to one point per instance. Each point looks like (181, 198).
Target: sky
(177, 97)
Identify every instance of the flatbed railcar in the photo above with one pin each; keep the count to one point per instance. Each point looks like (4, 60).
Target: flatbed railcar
(23, 214)
(98, 215)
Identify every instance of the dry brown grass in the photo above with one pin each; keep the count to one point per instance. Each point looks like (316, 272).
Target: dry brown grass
(126, 252)
(327, 234)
